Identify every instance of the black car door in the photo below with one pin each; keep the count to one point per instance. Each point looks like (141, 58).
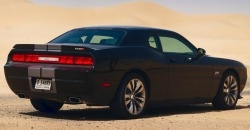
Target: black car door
(189, 76)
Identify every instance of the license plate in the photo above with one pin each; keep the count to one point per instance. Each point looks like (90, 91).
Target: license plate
(43, 84)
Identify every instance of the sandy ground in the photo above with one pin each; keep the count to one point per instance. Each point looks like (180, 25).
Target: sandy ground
(17, 113)
(225, 35)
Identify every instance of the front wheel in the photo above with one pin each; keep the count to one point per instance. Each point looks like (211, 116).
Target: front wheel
(228, 92)
(43, 105)
(131, 98)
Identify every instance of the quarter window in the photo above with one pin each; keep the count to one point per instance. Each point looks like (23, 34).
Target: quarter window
(151, 42)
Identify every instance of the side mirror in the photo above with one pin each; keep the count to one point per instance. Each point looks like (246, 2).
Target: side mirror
(201, 52)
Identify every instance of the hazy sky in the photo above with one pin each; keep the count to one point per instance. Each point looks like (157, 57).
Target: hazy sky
(186, 6)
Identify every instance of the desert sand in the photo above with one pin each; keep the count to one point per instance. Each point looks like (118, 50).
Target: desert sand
(222, 35)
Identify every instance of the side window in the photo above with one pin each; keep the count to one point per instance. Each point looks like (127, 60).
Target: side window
(172, 45)
(83, 38)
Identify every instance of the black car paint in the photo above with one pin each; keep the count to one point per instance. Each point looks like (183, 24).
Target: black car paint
(171, 78)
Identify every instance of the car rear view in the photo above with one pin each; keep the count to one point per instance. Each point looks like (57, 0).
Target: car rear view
(64, 70)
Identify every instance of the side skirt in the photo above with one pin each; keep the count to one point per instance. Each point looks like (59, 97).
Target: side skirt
(175, 102)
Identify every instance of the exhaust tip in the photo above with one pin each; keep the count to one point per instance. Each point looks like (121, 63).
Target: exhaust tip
(21, 95)
(75, 100)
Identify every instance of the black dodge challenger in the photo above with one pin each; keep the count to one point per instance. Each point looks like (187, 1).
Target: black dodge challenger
(124, 67)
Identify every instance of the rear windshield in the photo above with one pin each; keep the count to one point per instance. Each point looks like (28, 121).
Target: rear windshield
(90, 36)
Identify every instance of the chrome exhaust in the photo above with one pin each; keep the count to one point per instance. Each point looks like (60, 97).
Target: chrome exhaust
(21, 95)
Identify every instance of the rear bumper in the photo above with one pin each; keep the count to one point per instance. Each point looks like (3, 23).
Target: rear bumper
(67, 81)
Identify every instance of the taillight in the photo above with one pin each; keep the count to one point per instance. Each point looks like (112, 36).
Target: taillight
(54, 59)
(84, 60)
(18, 57)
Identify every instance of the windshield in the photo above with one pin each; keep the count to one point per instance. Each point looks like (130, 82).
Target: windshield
(90, 36)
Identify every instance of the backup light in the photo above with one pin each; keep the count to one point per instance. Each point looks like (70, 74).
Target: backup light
(52, 59)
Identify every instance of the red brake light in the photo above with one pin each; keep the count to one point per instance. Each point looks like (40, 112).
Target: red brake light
(31, 58)
(18, 57)
(54, 59)
(84, 60)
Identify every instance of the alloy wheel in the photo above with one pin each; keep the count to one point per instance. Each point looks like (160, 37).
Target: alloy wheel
(135, 96)
(230, 90)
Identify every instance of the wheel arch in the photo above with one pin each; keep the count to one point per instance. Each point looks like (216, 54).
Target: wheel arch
(233, 71)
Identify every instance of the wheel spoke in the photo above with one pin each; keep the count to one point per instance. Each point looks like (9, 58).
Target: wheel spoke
(234, 90)
(234, 84)
(140, 104)
(135, 108)
(131, 107)
(140, 99)
(127, 99)
(225, 85)
(140, 90)
(138, 87)
(227, 81)
(129, 87)
(224, 90)
(233, 97)
(127, 96)
(127, 102)
(233, 87)
(227, 99)
(133, 85)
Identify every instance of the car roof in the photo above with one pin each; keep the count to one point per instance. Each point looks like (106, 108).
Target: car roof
(126, 28)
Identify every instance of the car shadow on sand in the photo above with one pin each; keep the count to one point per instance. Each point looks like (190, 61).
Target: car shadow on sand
(104, 113)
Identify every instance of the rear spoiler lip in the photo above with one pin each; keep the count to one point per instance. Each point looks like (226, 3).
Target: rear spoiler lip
(52, 47)
(63, 47)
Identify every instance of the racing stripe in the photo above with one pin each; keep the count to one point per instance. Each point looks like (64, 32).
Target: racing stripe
(48, 72)
(34, 71)
(57, 48)
(40, 47)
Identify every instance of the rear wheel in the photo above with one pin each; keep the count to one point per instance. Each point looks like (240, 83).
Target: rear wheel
(131, 98)
(228, 92)
(43, 105)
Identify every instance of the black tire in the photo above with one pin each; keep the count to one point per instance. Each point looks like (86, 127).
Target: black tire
(46, 106)
(228, 92)
(131, 98)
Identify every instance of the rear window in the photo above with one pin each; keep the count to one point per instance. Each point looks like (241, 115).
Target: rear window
(90, 36)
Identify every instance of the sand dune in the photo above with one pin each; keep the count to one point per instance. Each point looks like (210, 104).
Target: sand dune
(15, 14)
(25, 18)
(25, 22)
